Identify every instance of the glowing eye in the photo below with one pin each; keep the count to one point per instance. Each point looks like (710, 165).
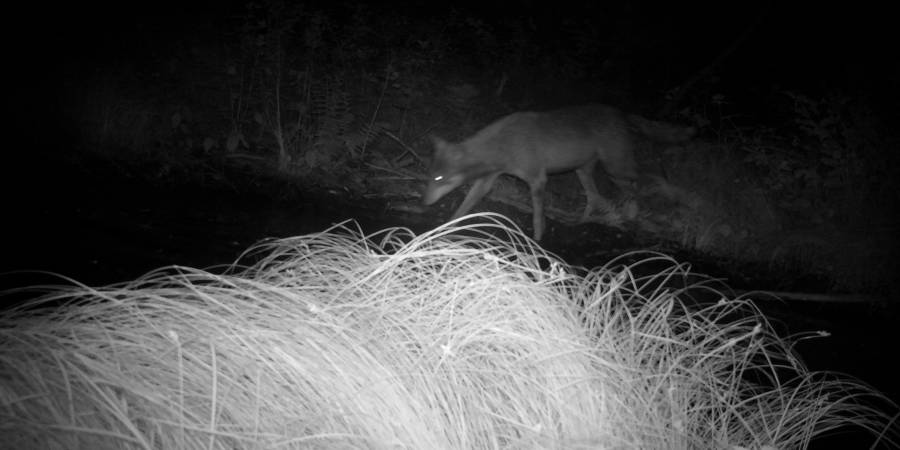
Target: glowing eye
(439, 178)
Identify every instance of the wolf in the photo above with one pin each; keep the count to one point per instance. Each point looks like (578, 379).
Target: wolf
(530, 145)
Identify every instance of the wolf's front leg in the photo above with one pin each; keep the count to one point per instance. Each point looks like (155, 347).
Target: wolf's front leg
(537, 205)
(479, 189)
(595, 201)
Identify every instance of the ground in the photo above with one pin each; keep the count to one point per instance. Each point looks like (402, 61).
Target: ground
(101, 223)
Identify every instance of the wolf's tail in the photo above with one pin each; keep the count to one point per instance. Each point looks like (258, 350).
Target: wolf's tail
(661, 131)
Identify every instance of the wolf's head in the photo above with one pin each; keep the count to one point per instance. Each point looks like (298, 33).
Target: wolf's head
(447, 171)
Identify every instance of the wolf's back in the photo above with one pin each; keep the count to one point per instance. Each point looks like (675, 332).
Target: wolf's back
(661, 131)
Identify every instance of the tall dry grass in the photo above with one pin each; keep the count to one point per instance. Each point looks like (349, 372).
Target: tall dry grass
(467, 337)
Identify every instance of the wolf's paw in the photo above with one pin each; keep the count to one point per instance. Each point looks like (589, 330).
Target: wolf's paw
(610, 215)
(599, 207)
(613, 219)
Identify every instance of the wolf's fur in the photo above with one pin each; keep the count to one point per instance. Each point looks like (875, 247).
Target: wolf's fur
(530, 145)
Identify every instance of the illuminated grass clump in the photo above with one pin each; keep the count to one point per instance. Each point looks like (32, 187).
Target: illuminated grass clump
(455, 339)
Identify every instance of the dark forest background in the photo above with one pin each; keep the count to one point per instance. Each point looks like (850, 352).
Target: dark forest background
(794, 168)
